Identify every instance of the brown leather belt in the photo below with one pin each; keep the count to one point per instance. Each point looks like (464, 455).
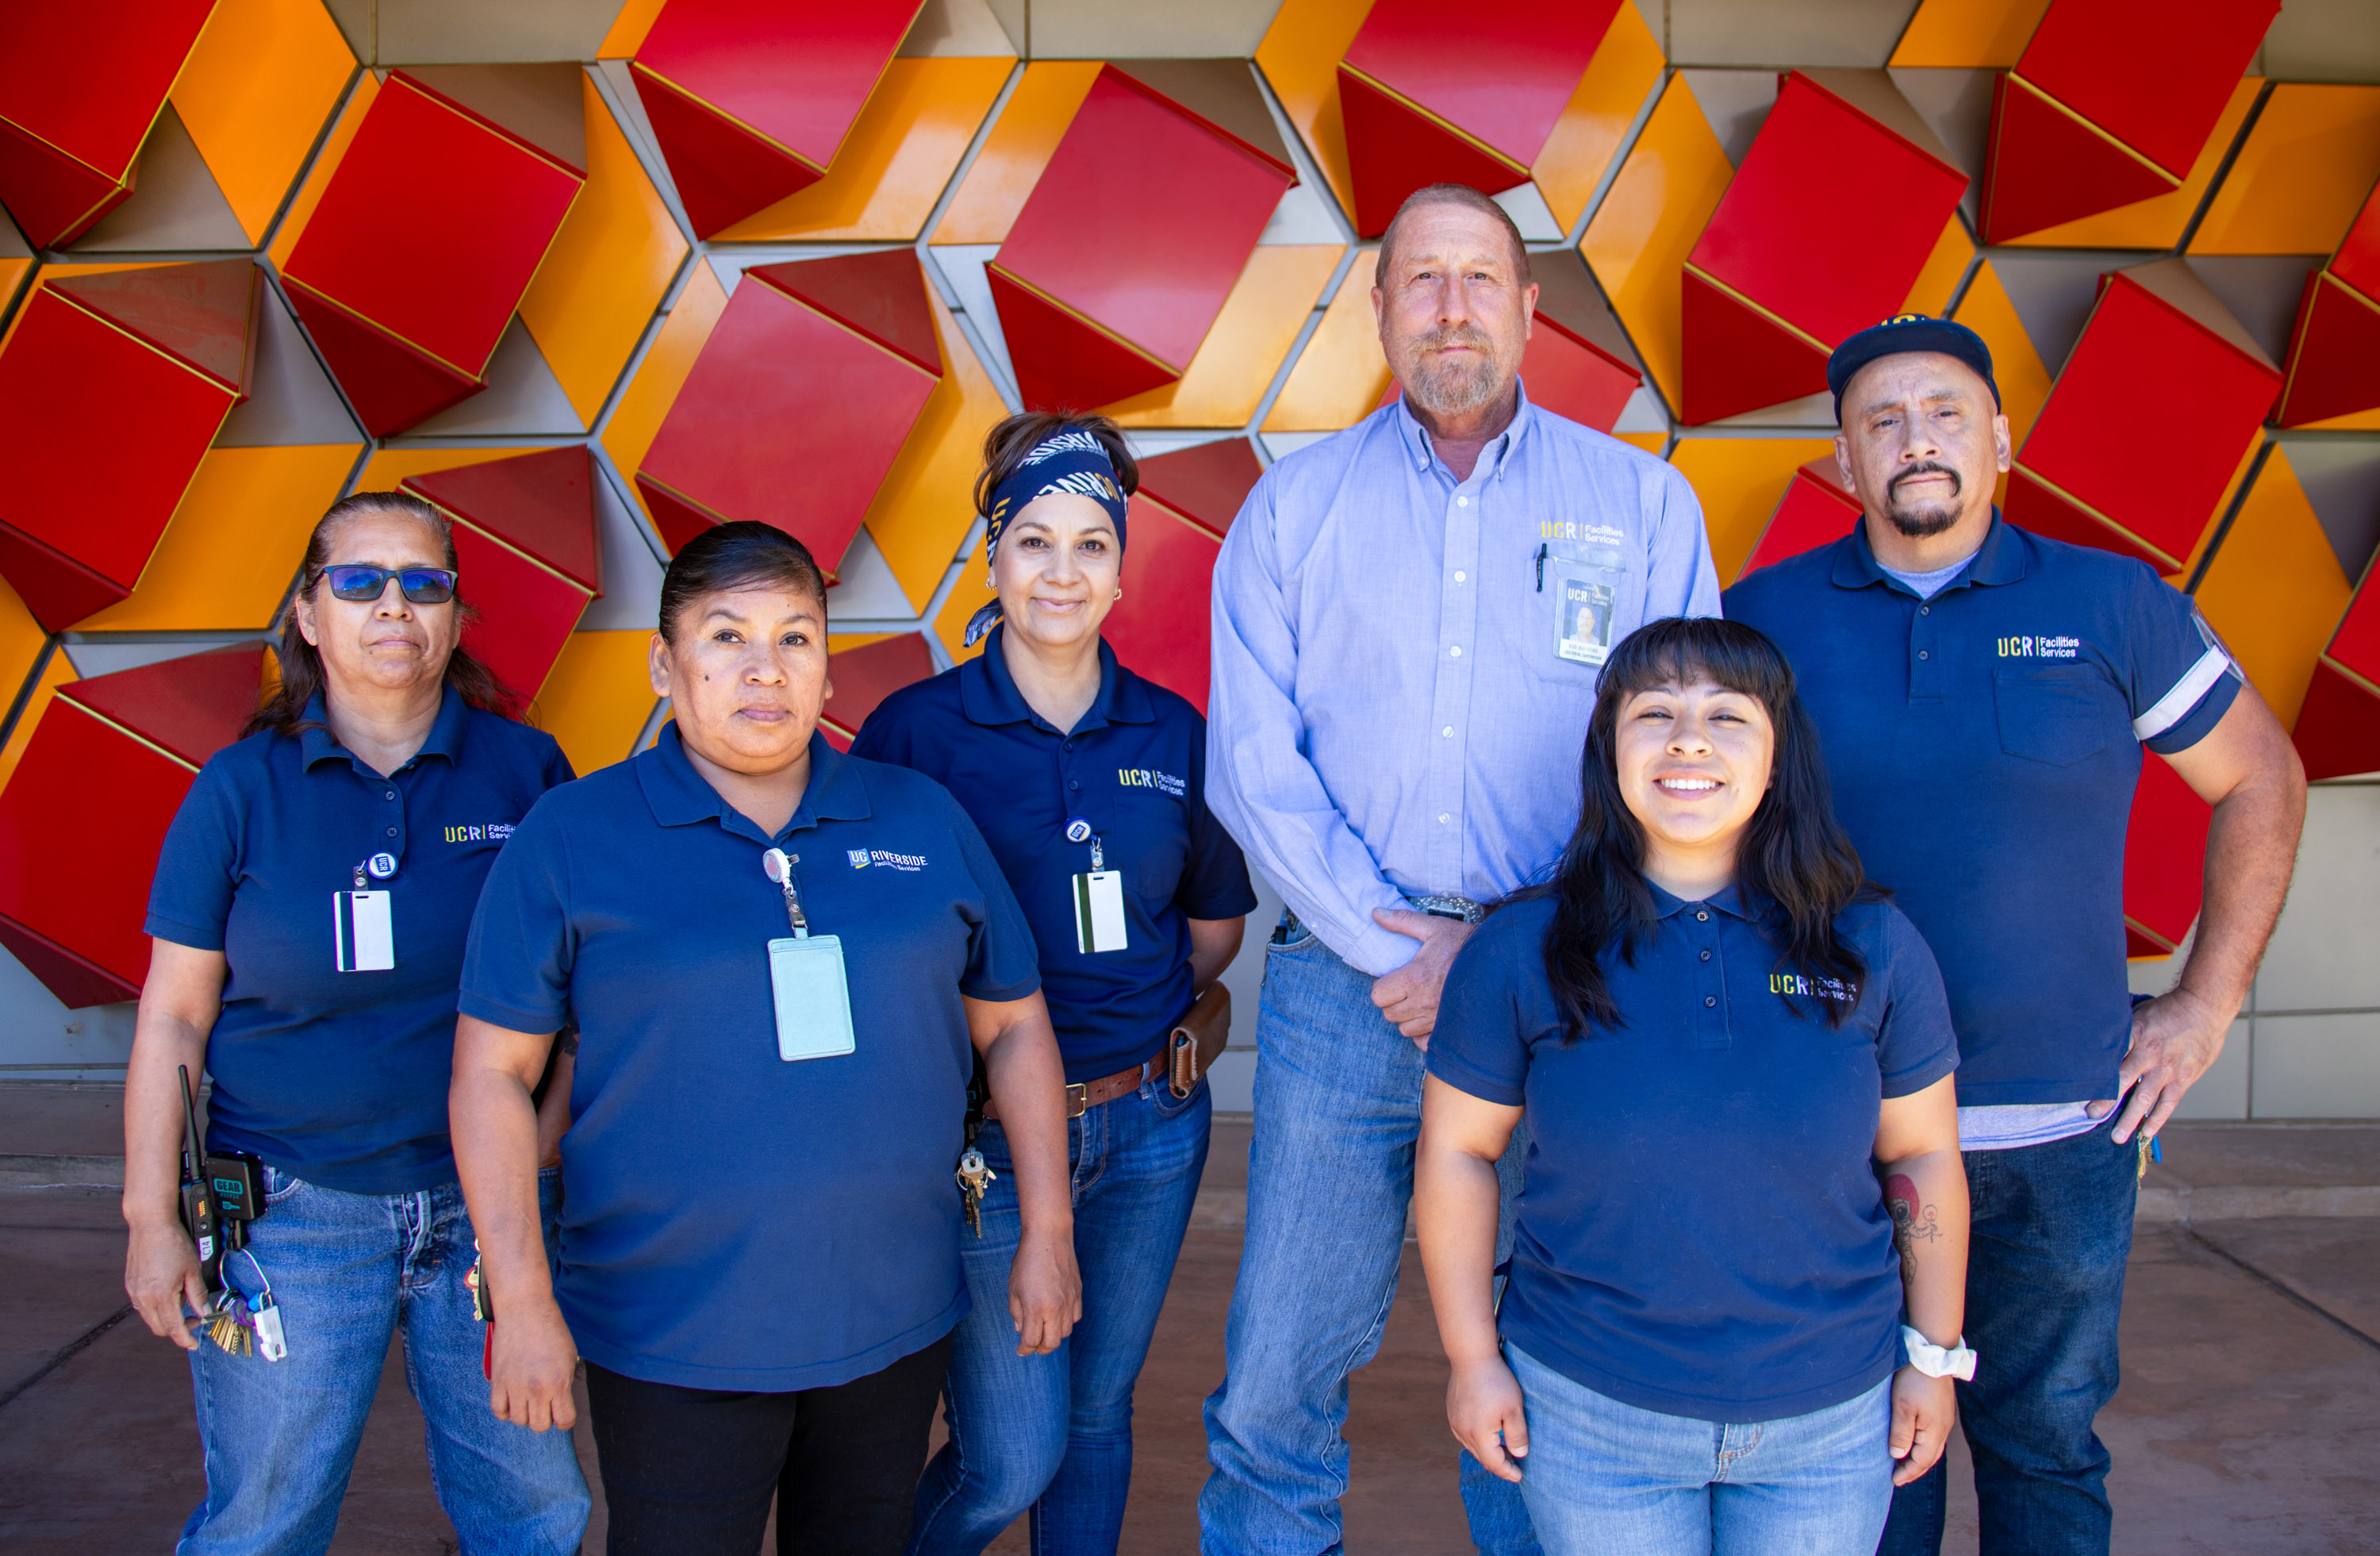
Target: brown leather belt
(1082, 1097)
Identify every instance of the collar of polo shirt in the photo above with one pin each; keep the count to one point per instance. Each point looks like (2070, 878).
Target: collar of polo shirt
(445, 738)
(1998, 560)
(679, 796)
(989, 694)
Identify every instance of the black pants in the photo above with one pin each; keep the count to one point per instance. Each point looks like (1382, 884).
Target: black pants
(690, 1472)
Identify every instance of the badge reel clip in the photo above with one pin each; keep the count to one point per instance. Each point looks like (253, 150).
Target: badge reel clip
(363, 933)
(1099, 897)
(805, 977)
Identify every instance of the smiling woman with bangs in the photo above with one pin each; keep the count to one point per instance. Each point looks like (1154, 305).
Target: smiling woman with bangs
(1735, 1057)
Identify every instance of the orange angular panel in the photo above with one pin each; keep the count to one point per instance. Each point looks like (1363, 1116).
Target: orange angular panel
(1161, 627)
(202, 315)
(390, 385)
(2334, 353)
(1393, 150)
(1204, 484)
(774, 362)
(881, 295)
(2045, 165)
(2154, 324)
(1738, 359)
(1815, 511)
(866, 675)
(543, 502)
(1063, 362)
(2165, 859)
(80, 86)
(2339, 728)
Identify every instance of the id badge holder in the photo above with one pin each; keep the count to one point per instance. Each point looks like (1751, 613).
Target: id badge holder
(363, 932)
(1099, 906)
(1584, 601)
(813, 999)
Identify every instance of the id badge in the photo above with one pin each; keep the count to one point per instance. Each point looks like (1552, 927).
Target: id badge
(364, 937)
(813, 1001)
(1099, 911)
(1582, 610)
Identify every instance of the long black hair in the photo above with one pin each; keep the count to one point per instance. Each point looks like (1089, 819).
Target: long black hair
(1794, 866)
(301, 664)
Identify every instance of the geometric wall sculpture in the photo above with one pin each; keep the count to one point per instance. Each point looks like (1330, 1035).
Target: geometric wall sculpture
(866, 675)
(79, 87)
(1781, 274)
(1121, 259)
(412, 253)
(85, 812)
(2153, 324)
(1815, 511)
(1417, 112)
(112, 385)
(1185, 504)
(2335, 348)
(526, 551)
(751, 99)
(2110, 105)
(798, 403)
(2165, 860)
(2339, 728)
(1579, 364)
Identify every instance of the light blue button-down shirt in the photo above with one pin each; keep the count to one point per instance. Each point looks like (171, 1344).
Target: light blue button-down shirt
(1400, 693)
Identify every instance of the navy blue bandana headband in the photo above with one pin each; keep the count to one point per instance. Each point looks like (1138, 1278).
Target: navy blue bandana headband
(1073, 461)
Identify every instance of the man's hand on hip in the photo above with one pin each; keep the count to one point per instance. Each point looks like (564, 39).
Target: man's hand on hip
(1408, 995)
(2176, 1039)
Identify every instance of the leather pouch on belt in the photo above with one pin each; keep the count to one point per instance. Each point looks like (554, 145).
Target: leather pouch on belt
(1198, 1037)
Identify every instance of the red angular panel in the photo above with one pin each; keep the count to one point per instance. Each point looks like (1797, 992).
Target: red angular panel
(100, 433)
(1161, 628)
(75, 982)
(2155, 74)
(881, 295)
(1139, 227)
(1738, 361)
(2044, 509)
(1392, 151)
(2338, 725)
(2149, 327)
(1571, 376)
(2334, 353)
(789, 416)
(1062, 363)
(1815, 511)
(677, 519)
(429, 232)
(866, 675)
(201, 315)
(2357, 259)
(80, 86)
(783, 78)
(86, 811)
(2165, 859)
(2043, 166)
(1206, 484)
(527, 610)
(392, 385)
(542, 502)
(1779, 237)
(1504, 79)
(2355, 646)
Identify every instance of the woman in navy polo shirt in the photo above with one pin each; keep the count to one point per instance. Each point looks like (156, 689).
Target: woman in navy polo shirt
(1085, 779)
(1735, 1059)
(781, 961)
(309, 918)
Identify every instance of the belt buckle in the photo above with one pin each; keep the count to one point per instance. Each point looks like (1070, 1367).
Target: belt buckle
(1079, 1099)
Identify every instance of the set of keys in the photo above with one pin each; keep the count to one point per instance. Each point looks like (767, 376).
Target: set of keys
(235, 1323)
(975, 1175)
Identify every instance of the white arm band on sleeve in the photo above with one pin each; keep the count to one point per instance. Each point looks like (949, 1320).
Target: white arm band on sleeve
(2175, 705)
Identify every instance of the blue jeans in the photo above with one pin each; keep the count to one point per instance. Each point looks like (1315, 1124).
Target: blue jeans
(1053, 1434)
(2051, 1228)
(1603, 1478)
(1337, 1099)
(347, 1269)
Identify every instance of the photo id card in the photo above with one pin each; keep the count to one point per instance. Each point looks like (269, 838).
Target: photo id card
(1582, 620)
(1099, 911)
(813, 1000)
(363, 934)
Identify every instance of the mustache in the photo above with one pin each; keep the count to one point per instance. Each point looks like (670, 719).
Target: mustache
(1928, 467)
(1455, 335)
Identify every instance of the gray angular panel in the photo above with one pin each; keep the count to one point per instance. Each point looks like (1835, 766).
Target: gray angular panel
(175, 202)
(290, 399)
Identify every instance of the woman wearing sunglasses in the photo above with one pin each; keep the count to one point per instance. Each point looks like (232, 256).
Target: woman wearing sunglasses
(308, 916)
(1738, 1274)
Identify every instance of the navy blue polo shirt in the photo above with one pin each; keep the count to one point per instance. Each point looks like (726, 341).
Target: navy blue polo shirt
(1700, 1229)
(1136, 769)
(731, 1219)
(340, 1078)
(1985, 745)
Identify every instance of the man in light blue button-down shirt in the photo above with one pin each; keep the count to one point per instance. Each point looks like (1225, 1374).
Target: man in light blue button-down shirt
(1410, 619)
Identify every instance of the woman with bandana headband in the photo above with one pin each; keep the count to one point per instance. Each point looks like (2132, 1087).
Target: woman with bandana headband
(1088, 782)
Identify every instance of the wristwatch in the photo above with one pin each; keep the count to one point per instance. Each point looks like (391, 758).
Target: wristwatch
(1938, 1361)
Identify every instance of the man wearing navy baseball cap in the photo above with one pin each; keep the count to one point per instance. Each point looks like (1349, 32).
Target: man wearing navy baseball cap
(1983, 695)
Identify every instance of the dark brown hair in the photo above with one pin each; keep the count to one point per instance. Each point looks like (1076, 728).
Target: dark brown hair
(736, 555)
(1006, 445)
(301, 662)
(1452, 194)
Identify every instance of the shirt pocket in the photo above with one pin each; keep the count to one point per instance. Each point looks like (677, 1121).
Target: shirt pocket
(2055, 714)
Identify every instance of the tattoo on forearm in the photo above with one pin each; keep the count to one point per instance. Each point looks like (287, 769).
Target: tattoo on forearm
(1913, 1222)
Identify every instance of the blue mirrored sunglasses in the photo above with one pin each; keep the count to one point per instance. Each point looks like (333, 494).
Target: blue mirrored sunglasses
(422, 586)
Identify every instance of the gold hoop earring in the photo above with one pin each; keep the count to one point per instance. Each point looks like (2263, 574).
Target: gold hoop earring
(1119, 593)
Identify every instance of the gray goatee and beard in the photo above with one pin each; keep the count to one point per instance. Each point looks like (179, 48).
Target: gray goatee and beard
(1919, 520)
(1455, 386)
